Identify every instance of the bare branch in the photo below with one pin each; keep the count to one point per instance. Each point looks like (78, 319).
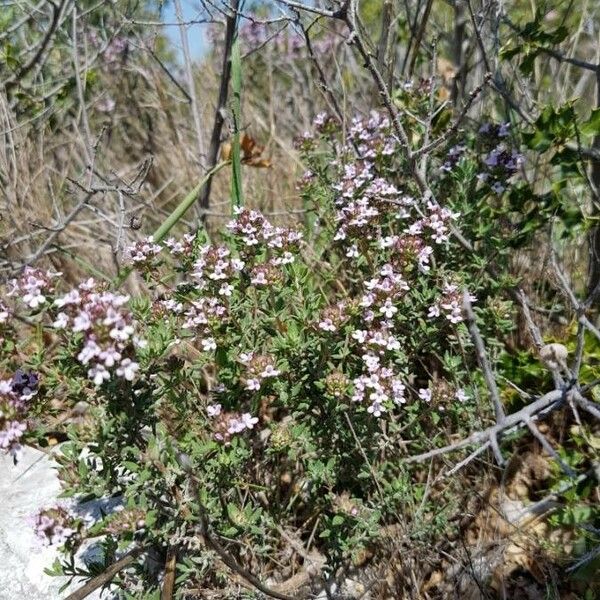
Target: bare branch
(482, 359)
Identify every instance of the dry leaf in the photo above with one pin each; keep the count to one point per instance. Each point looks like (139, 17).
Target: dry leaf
(251, 153)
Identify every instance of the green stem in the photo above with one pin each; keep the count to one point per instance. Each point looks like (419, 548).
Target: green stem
(237, 193)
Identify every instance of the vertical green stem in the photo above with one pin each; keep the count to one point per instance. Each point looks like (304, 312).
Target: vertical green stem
(237, 194)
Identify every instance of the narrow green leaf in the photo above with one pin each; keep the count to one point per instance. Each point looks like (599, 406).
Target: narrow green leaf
(237, 196)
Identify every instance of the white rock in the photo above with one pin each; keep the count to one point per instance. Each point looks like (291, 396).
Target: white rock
(25, 489)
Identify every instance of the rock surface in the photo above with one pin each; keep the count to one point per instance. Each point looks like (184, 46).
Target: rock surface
(26, 488)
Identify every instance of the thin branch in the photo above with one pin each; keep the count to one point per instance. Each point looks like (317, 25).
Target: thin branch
(169, 578)
(190, 80)
(549, 449)
(219, 119)
(482, 358)
(22, 72)
(50, 239)
(332, 14)
(108, 575)
(547, 402)
(457, 122)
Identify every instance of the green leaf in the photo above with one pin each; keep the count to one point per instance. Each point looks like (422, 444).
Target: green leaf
(237, 194)
(592, 125)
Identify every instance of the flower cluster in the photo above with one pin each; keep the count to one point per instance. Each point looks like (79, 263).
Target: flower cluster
(367, 202)
(439, 393)
(227, 424)
(52, 525)
(33, 287)
(408, 251)
(450, 303)
(336, 384)
(142, 252)
(379, 385)
(15, 395)
(501, 161)
(256, 234)
(107, 327)
(364, 202)
(257, 367)
(204, 316)
(372, 136)
(216, 272)
(399, 232)
(182, 247)
(382, 292)
(453, 156)
(215, 269)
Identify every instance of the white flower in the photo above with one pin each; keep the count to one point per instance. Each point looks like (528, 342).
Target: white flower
(208, 344)
(128, 369)
(89, 351)
(61, 321)
(82, 322)
(398, 389)
(249, 421)
(270, 371)
(259, 279)
(235, 426)
(110, 356)
(245, 357)
(226, 289)
(122, 333)
(34, 298)
(360, 335)
(388, 310)
(371, 361)
(253, 384)
(376, 409)
(98, 374)
(425, 394)
(213, 410)
(352, 252)
(237, 264)
(393, 344)
(434, 311)
(327, 325)
(461, 395)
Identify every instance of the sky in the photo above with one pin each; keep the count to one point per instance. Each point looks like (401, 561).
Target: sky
(196, 33)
